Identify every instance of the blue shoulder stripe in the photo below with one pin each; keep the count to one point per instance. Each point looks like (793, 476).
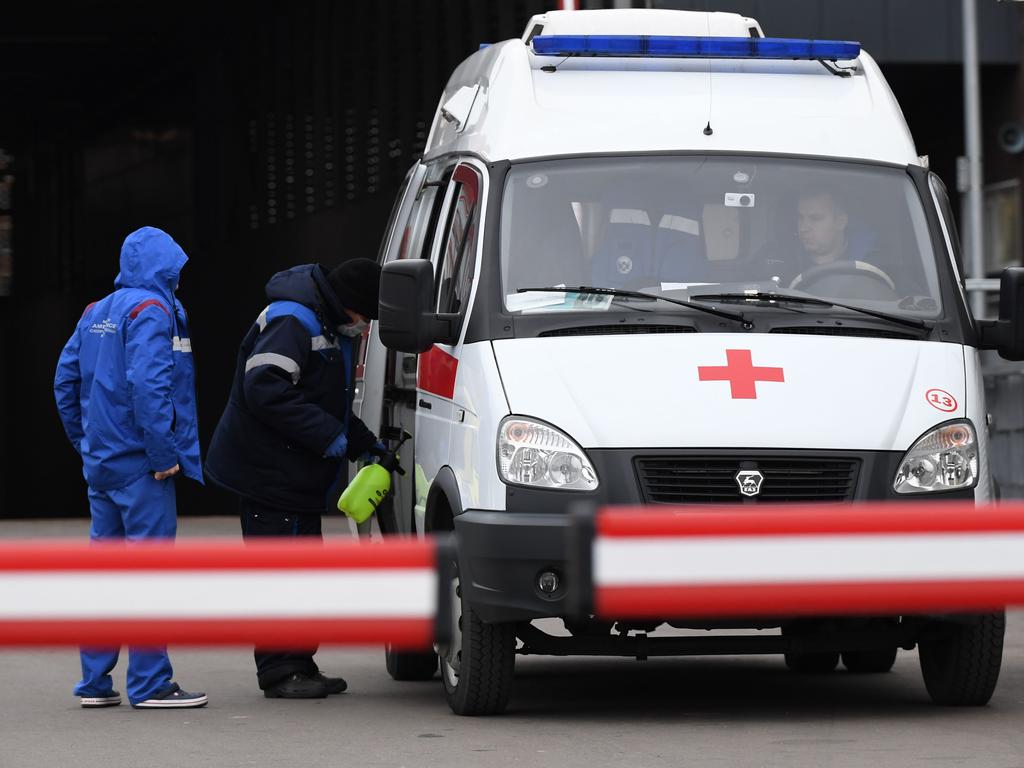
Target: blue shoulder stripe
(301, 312)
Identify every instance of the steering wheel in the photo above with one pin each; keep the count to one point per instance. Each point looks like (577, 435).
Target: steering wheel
(860, 269)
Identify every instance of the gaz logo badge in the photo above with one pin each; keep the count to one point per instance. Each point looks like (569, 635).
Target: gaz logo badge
(749, 481)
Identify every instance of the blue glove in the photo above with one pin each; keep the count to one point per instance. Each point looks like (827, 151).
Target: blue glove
(337, 448)
(378, 449)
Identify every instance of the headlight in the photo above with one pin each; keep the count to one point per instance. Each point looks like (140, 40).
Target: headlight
(536, 454)
(943, 460)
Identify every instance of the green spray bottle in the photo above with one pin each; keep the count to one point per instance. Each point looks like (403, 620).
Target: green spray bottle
(371, 485)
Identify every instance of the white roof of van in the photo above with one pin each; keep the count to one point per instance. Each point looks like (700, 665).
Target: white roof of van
(642, 22)
(502, 105)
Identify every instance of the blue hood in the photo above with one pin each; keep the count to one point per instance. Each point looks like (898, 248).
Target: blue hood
(150, 259)
(307, 284)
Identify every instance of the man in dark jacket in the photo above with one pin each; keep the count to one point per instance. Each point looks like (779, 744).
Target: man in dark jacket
(287, 428)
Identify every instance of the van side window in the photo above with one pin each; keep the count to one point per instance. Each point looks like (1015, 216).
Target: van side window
(458, 251)
(419, 231)
(417, 238)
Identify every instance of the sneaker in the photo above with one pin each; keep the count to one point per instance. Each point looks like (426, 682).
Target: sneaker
(332, 684)
(297, 686)
(111, 699)
(171, 697)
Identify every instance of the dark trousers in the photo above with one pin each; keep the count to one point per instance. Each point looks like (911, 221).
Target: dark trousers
(274, 665)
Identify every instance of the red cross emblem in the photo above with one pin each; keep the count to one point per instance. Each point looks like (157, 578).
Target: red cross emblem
(741, 373)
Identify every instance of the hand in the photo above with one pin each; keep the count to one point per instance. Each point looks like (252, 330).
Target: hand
(378, 449)
(167, 473)
(338, 447)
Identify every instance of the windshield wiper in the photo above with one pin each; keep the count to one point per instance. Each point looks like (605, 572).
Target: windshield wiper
(773, 296)
(589, 289)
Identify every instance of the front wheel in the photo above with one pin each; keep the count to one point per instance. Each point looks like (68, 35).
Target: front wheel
(960, 662)
(478, 664)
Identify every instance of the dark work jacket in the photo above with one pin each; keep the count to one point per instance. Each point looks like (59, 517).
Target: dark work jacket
(290, 399)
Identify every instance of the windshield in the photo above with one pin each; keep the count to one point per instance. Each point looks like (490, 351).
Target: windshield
(691, 226)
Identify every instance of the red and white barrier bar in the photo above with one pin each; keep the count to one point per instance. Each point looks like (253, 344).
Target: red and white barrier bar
(274, 593)
(882, 558)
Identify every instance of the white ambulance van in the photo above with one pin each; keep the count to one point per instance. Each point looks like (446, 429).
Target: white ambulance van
(654, 257)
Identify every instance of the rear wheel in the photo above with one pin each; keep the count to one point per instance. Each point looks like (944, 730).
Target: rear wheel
(403, 665)
(960, 662)
(870, 662)
(478, 664)
(817, 663)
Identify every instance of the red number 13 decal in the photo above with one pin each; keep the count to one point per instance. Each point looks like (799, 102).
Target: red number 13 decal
(941, 399)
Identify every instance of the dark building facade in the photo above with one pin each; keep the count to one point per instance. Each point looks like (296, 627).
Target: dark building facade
(279, 137)
(258, 141)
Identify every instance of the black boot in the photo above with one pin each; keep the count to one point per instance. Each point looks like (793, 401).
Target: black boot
(333, 684)
(297, 686)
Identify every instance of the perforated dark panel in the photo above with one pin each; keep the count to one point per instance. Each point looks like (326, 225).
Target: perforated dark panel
(338, 98)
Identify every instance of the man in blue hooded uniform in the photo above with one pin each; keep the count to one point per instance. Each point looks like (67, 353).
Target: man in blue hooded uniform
(125, 389)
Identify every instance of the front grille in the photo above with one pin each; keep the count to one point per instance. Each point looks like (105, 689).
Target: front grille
(610, 330)
(698, 480)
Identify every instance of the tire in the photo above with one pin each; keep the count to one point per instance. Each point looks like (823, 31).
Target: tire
(478, 665)
(403, 666)
(960, 662)
(812, 663)
(869, 662)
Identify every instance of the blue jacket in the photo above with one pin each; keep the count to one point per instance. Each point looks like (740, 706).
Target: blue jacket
(125, 382)
(290, 399)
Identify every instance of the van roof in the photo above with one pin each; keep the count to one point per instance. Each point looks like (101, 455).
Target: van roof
(505, 103)
(641, 22)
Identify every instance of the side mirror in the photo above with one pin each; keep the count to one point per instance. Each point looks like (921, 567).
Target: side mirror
(1007, 333)
(407, 320)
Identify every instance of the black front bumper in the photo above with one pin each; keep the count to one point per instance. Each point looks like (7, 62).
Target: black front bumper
(502, 553)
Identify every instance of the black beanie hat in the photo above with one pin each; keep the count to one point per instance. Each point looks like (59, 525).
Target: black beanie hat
(356, 283)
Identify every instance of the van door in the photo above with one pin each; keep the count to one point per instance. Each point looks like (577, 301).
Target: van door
(413, 237)
(454, 257)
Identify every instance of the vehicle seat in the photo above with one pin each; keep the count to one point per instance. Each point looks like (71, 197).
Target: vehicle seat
(625, 257)
(678, 250)
(547, 252)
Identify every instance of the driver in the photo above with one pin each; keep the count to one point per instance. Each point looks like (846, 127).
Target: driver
(822, 224)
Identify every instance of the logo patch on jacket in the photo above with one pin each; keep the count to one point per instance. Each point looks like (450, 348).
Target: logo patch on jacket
(103, 328)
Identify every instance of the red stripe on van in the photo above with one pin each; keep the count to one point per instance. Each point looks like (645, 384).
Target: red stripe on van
(436, 373)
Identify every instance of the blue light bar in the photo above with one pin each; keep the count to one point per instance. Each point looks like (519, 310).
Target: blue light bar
(662, 46)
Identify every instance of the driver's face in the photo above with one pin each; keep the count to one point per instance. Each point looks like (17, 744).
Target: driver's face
(821, 228)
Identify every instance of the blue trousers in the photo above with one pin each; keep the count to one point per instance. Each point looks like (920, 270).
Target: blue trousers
(141, 510)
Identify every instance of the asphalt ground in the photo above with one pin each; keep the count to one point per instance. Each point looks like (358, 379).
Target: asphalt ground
(702, 711)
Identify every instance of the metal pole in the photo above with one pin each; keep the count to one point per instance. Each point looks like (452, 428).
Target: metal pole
(972, 134)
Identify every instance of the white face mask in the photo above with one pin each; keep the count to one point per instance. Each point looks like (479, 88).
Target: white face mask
(353, 329)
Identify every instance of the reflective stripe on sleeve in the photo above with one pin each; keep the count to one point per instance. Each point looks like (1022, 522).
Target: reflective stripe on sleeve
(182, 345)
(321, 342)
(286, 364)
